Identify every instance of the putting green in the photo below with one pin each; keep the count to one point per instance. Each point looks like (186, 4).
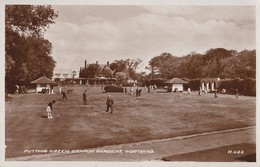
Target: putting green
(150, 116)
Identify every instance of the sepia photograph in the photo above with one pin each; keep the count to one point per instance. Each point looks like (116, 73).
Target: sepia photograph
(158, 83)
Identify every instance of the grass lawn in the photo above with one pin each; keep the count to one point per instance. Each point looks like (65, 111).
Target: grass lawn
(151, 116)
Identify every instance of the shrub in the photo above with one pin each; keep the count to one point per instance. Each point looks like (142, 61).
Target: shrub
(194, 84)
(245, 86)
(112, 88)
(11, 89)
(158, 82)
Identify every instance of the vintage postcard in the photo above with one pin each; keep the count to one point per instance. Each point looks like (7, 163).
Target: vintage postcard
(170, 83)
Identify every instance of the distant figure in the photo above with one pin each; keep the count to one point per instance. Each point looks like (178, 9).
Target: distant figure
(131, 90)
(137, 92)
(60, 89)
(85, 97)
(200, 91)
(49, 109)
(64, 95)
(125, 90)
(189, 91)
(205, 90)
(148, 89)
(215, 96)
(109, 104)
(236, 93)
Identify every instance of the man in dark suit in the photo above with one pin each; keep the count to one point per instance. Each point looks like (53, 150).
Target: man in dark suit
(109, 103)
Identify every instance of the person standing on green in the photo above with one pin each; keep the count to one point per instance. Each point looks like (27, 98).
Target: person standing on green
(85, 97)
(49, 109)
(236, 93)
(109, 103)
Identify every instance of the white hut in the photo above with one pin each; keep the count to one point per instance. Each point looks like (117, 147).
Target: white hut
(44, 85)
(175, 85)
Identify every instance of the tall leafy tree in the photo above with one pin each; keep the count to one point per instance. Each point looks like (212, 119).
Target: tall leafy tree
(191, 65)
(128, 66)
(213, 60)
(242, 65)
(27, 53)
(29, 20)
(162, 66)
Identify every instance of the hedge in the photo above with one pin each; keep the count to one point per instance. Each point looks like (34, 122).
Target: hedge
(193, 84)
(158, 82)
(245, 87)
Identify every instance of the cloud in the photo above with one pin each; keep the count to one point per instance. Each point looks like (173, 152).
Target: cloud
(239, 15)
(148, 32)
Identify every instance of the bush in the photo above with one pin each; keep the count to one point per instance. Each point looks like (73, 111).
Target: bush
(113, 88)
(11, 89)
(158, 82)
(194, 84)
(245, 86)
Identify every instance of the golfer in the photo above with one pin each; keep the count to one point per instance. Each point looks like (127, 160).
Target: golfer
(109, 103)
(85, 97)
(236, 93)
(64, 95)
(49, 109)
(216, 91)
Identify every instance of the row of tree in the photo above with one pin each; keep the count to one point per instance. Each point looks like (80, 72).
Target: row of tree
(215, 63)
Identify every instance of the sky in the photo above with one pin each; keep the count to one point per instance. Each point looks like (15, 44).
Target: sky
(108, 33)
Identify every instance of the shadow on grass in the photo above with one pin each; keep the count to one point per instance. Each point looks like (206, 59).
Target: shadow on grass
(43, 116)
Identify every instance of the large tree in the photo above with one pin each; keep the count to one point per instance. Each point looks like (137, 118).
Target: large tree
(29, 20)
(163, 65)
(128, 66)
(242, 65)
(27, 53)
(214, 59)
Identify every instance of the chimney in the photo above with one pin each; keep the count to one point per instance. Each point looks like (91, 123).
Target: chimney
(85, 64)
(96, 62)
(108, 63)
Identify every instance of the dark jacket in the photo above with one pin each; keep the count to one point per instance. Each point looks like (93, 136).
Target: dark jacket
(110, 102)
(84, 96)
(50, 104)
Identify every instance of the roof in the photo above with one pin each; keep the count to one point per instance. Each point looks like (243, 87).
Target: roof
(106, 68)
(43, 80)
(176, 81)
(186, 79)
(100, 65)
